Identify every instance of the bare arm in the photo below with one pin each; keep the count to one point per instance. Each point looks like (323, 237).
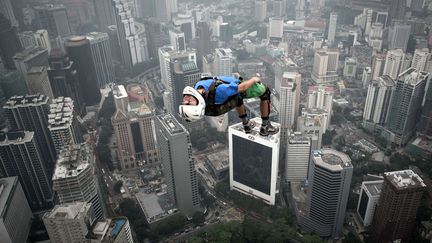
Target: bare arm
(247, 84)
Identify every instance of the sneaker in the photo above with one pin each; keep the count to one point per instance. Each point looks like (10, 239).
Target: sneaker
(268, 130)
(249, 126)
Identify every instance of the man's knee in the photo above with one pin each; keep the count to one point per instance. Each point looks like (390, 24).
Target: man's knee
(266, 95)
(239, 101)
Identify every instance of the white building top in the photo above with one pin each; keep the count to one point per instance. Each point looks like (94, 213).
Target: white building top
(120, 92)
(373, 188)
(72, 161)
(74, 210)
(331, 159)
(61, 113)
(404, 179)
(413, 76)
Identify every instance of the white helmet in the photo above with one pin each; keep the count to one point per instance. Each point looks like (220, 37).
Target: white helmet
(192, 112)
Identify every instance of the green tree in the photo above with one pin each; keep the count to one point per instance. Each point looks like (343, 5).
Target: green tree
(312, 239)
(117, 186)
(351, 238)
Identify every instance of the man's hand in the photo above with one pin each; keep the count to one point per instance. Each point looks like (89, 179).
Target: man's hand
(247, 84)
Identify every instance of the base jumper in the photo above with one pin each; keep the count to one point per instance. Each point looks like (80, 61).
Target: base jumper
(214, 96)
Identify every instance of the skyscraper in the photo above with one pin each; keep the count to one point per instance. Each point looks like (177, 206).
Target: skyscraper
(397, 207)
(134, 130)
(398, 35)
(30, 113)
(321, 97)
(378, 100)
(332, 28)
(64, 79)
(20, 155)
(128, 39)
(254, 173)
(79, 51)
(260, 10)
(406, 104)
(74, 177)
(69, 222)
(37, 81)
(62, 123)
(393, 63)
(101, 56)
(156, 36)
(6, 10)
(16, 216)
(425, 124)
(298, 152)
(368, 200)
(9, 43)
(329, 178)
(53, 18)
(37, 38)
(32, 56)
(325, 65)
(223, 62)
(397, 10)
(185, 73)
(105, 15)
(177, 39)
(276, 28)
(289, 97)
(179, 169)
(378, 63)
(420, 59)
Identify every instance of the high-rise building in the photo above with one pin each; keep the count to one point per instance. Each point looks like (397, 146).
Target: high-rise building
(129, 42)
(223, 62)
(63, 78)
(325, 66)
(366, 77)
(20, 155)
(37, 81)
(185, 73)
(177, 39)
(156, 36)
(276, 28)
(298, 152)
(289, 98)
(186, 24)
(321, 97)
(134, 130)
(30, 57)
(204, 45)
(30, 113)
(6, 10)
(300, 9)
(332, 28)
(398, 36)
(37, 38)
(105, 15)
(378, 100)
(9, 43)
(405, 106)
(179, 168)
(254, 173)
(381, 17)
(420, 59)
(115, 230)
(279, 8)
(62, 123)
(54, 19)
(163, 10)
(79, 51)
(101, 56)
(395, 214)
(393, 62)
(74, 178)
(397, 10)
(260, 10)
(69, 222)
(368, 200)
(225, 32)
(330, 174)
(312, 127)
(378, 63)
(350, 68)
(16, 216)
(425, 124)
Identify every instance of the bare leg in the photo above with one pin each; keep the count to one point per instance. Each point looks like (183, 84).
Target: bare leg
(265, 108)
(241, 110)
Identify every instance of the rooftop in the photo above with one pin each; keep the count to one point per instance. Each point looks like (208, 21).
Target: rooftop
(373, 187)
(73, 210)
(73, 160)
(171, 124)
(331, 159)
(219, 160)
(119, 92)
(16, 137)
(29, 53)
(412, 76)
(404, 179)
(28, 100)
(255, 131)
(61, 113)
(298, 138)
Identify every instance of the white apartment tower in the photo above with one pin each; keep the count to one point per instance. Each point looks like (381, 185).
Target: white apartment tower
(297, 157)
(367, 203)
(69, 222)
(289, 99)
(332, 28)
(393, 63)
(260, 10)
(420, 59)
(74, 178)
(321, 97)
(378, 100)
(253, 173)
(325, 66)
(378, 63)
(223, 62)
(62, 123)
(276, 28)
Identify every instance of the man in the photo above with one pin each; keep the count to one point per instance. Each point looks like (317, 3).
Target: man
(218, 95)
